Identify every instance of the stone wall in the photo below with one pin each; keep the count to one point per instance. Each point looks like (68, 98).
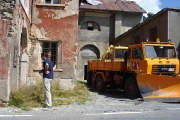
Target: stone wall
(6, 12)
(13, 21)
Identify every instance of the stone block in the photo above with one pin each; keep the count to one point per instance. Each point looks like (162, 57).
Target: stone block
(66, 84)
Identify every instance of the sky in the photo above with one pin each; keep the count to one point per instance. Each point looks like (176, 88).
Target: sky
(155, 6)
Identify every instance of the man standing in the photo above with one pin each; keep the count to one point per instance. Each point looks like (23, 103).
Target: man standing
(48, 76)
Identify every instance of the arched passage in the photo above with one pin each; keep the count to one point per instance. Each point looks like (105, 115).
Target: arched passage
(89, 52)
(86, 53)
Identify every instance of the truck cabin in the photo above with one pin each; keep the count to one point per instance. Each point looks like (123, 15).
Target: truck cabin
(153, 58)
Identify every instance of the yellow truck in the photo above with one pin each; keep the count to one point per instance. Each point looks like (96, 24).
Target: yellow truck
(149, 70)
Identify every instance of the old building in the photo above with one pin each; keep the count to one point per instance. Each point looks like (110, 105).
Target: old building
(163, 25)
(15, 19)
(55, 30)
(100, 22)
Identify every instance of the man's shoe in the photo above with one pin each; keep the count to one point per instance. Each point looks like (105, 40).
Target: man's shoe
(46, 106)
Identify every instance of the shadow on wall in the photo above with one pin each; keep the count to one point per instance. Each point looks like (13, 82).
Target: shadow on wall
(89, 52)
(178, 49)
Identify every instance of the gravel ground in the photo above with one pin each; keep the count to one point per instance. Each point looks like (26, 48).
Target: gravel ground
(111, 101)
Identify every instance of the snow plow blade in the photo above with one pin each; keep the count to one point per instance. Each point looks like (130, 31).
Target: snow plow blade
(159, 88)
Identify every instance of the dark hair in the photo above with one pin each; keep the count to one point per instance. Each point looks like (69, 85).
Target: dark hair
(44, 54)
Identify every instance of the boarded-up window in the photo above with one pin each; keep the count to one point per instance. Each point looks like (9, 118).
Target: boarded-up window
(153, 34)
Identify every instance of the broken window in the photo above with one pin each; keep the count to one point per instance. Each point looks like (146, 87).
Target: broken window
(52, 1)
(51, 49)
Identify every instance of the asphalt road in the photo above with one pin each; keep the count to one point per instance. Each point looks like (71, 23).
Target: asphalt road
(112, 105)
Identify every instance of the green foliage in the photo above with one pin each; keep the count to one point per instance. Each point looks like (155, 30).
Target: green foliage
(33, 96)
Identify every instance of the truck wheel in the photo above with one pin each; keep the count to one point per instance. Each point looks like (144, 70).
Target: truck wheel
(89, 78)
(100, 84)
(131, 88)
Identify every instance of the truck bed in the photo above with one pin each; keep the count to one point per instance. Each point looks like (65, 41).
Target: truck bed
(107, 65)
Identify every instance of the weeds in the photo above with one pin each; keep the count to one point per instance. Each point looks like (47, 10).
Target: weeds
(28, 97)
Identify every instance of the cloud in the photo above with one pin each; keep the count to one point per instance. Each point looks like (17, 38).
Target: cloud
(152, 6)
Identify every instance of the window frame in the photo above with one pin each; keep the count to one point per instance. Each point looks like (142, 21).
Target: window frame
(58, 50)
(134, 55)
(59, 2)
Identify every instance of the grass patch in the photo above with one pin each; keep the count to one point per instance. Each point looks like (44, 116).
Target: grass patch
(28, 97)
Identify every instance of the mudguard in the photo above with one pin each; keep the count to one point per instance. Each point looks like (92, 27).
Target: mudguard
(159, 87)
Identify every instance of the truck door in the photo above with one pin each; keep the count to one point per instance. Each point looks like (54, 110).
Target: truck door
(136, 62)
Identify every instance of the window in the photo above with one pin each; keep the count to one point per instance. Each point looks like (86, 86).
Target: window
(23, 41)
(119, 53)
(137, 53)
(153, 34)
(51, 49)
(90, 26)
(160, 51)
(52, 1)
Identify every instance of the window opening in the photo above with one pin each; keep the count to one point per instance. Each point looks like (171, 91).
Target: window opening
(90, 26)
(51, 49)
(52, 1)
(137, 53)
(119, 53)
(153, 34)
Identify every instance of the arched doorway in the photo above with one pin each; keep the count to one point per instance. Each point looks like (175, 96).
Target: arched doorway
(86, 53)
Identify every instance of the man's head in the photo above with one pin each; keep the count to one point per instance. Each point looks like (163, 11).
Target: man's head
(44, 56)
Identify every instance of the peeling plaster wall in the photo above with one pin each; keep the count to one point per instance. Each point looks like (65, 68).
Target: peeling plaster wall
(4, 60)
(60, 24)
(14, 19)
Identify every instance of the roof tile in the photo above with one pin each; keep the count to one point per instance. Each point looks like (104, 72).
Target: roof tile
(114, 5)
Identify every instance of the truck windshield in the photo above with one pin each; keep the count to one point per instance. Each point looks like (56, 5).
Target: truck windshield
(160, 51)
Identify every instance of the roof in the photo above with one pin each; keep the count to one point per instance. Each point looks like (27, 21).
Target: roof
(114, 5)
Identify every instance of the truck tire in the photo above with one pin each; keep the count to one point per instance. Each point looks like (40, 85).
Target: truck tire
(131, 88)
(100, 84)
(89, 78)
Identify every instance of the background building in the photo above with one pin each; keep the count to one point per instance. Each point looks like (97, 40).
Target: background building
(100, 23)
(163, 25)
